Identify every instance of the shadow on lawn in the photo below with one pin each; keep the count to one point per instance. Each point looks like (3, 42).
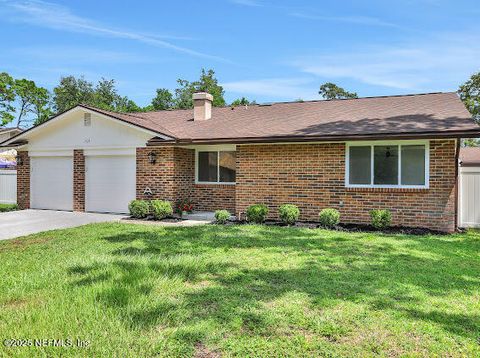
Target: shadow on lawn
(343, 267)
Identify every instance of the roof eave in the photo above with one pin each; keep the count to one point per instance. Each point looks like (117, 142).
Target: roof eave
(475, 133)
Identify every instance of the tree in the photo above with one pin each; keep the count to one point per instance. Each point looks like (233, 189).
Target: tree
(470, 95)
(126, 105)
(163, 100)
(42, 106)
(183, 94)
(71, 92)
(33, 103)
(331, 91)
(105, 95)
(7, 98)
(241, 102)
(74, 91)
(206, 83)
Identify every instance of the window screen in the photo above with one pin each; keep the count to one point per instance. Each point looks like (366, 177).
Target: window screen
(207, 166)
(360, 165)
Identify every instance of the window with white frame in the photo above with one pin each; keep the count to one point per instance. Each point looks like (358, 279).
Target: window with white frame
(389, 164)
(216, 167)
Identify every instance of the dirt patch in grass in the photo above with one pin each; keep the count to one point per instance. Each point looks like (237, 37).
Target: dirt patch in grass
(201, 351)
(22, 243)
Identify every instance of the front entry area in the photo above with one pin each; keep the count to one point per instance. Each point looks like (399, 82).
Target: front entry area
(51, 183)
(110, 183)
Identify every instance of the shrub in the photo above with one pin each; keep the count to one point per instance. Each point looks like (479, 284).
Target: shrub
(161, 209)
(257, 213)
(139, 209)
(289, 213)
(221, 216)
(329, 217)
(8, 207)
(381, 219)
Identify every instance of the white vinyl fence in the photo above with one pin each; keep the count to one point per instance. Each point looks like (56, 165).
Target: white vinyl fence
(469, 197)
(8, 186)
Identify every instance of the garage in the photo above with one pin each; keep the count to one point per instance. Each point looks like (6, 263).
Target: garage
(51, 183)
(110, 183)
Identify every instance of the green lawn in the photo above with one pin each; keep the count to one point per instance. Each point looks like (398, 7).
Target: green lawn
(134, 290)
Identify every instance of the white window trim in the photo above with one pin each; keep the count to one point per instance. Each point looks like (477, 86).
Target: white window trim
(391, 143)
(218, 150)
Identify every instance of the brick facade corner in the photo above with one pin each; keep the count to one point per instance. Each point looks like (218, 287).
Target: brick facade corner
(78, 180)
(23, 181)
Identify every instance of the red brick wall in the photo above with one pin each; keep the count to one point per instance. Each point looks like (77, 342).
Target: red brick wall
(78, 180)
(172, 178)
(159, 177)
(211, 197)
(312, 177)
(23, 181)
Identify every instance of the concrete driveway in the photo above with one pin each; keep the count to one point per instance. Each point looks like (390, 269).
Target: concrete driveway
(25, 222)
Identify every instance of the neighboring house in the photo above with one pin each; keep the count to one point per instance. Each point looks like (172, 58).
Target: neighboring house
(395, 152)
(8, 156)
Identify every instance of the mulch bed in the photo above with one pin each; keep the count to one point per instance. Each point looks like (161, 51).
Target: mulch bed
(352, 228)
(170, 219)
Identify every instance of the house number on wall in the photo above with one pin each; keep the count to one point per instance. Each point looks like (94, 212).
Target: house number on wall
(87, 140)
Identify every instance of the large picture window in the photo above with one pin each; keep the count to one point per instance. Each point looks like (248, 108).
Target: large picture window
(216, 167)
(387, 165)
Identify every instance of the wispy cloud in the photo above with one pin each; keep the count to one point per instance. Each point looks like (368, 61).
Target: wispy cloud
(432, 64)
(358, 20)
(253, 3)
(59, 17)
(281, 88)
(68, 54)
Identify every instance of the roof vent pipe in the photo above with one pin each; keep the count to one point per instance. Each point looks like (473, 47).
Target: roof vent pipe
(202, 106)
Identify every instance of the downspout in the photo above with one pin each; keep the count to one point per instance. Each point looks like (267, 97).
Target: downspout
(457, 154)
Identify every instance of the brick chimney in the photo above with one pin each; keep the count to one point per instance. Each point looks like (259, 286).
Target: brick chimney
(202, 106)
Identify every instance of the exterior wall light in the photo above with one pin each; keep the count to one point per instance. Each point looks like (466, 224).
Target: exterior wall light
(19, 160)
(152, 157)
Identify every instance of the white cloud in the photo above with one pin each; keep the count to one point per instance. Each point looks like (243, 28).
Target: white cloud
(437, 63)
(281, 88)
(355, 19)
(67, 54)
(59, 17)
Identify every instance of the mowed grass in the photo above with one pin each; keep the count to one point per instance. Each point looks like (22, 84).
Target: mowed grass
(134, 290)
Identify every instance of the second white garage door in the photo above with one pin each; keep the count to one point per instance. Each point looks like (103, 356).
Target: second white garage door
(109, 183)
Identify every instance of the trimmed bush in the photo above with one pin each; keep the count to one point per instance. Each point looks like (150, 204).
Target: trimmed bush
(257, 213)
(139, 209)
(161, 209)
(222, 216)
(289, 213)
(381, 218)
(8, 207)
(329, 218)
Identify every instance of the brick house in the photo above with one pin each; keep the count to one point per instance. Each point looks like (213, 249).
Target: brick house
(394, 152)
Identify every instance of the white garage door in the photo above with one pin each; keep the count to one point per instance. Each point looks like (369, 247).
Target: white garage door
(51, 183)
(109, 183)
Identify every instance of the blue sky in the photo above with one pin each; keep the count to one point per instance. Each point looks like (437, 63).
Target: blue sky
(262, 49)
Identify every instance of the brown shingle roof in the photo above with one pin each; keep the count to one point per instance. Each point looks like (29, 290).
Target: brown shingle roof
(433, 115)
(424, 114)
(470, 156)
